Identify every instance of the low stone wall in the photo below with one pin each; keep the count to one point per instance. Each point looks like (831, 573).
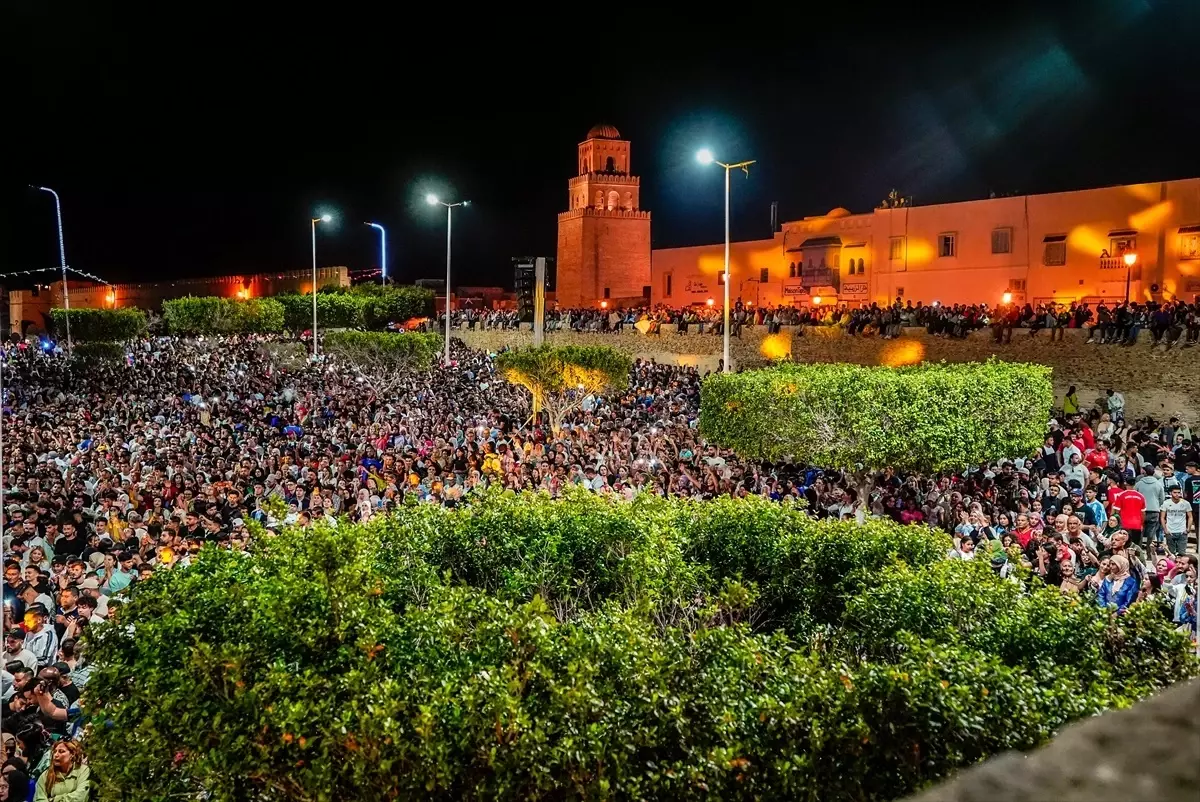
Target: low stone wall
(1154, 382)
(1148, 753)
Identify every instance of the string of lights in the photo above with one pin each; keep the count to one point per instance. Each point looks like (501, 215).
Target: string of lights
(35, 270)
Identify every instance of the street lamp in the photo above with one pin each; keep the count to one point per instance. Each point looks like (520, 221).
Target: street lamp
(434, 200)
(382, 252)
(705, 156)
(325, 218)
(1130, 258)
(1006, 298)
(62, 259)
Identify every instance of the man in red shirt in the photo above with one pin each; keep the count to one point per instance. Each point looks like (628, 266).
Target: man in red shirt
(1130, 505)
(1097, 457)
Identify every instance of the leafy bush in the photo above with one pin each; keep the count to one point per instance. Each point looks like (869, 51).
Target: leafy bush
(394, 304)
(217, 315)
(559, 377)
(524, 648)
(378, 355)
(926, 417)
(106, 325)
(367, 305)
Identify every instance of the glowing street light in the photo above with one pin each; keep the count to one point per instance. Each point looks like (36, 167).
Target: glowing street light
(1006, 298)
(816, 300)
(62, 260)
(705, 156)
(1130, 258)
(382, 251)
(325, 218)
(434, 200)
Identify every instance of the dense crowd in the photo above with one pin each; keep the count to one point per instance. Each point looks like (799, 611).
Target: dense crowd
(112, 472)
(1170, 323)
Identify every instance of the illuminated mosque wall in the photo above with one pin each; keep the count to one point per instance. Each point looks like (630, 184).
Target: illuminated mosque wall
(1063, 246)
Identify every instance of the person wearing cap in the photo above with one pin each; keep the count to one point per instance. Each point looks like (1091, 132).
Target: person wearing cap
(15, 651)
(40, 638)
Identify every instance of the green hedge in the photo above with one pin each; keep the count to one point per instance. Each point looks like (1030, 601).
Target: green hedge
(107, 325)
(384, 350)
(217, 315)
(368, 306)
(927, 417)
(524, 648)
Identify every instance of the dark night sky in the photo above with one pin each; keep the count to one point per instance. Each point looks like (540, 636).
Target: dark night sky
(186, 144)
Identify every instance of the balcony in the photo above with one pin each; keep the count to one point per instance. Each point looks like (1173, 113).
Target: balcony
(1112, 263)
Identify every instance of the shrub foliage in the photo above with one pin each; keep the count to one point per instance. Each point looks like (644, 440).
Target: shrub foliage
(523, 648)
(380, 353)
(216, 315)
(365, 306)
(559, 377)
(103, 325)
(926, 417)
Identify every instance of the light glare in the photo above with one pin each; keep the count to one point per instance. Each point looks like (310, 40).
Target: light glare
(431, 199)
(704, 156)
(326, 218)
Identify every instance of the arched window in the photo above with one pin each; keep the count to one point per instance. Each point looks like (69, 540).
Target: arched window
(792, 270)
(583, 167)
(609, 165)
(861, 268)
(613, 199)
(599, 199)
(628, 204)
(852, 267)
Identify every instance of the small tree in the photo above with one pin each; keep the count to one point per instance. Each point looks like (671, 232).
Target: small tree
(382, 360)
(560, 377)
(929, 417)
(104, 325)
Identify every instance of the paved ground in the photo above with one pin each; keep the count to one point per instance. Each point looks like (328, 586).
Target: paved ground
(1148, 753)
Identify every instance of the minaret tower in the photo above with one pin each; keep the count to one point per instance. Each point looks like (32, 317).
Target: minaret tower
(604, 236)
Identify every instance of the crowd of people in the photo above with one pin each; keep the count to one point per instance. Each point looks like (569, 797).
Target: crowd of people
(114, 471)
(1172, 323)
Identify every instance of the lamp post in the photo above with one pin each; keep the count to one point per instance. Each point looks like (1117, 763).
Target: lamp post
(382, 252)
(434, 200)
(322, 219)
(705, 156)
(62, 260)
(1130, 258)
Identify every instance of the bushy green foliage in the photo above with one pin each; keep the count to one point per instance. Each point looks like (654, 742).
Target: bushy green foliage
(105, 325)
(379, 350)
(926, 417)
(366, 305)
(525, 648)
(216, 315)
(558, 377)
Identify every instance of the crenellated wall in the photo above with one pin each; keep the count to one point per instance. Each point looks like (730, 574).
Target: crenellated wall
(1154, 382)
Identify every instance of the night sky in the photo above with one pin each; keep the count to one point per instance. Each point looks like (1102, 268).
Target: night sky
(190, 144)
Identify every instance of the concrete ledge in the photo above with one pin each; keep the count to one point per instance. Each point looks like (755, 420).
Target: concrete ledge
(1148, 753)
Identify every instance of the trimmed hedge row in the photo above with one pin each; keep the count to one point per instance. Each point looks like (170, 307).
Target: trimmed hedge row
(217, 315)
(524, 648)
(368, 306)
(105, 325)
(383, 350)
(929, 417)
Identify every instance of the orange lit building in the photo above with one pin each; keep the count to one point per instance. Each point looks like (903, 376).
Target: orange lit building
(1062, 246)
(604, 236)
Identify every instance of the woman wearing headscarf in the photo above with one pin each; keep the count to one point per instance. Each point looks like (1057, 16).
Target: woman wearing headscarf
(1119, 589)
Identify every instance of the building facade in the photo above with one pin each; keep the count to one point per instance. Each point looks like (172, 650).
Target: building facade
(604, 236)
(1064, 246)
(30, 309)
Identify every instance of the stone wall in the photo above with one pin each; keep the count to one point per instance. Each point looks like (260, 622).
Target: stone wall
(1148, 753)
(1154, 382)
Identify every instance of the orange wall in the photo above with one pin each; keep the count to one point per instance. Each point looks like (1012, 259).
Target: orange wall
(974, 273)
